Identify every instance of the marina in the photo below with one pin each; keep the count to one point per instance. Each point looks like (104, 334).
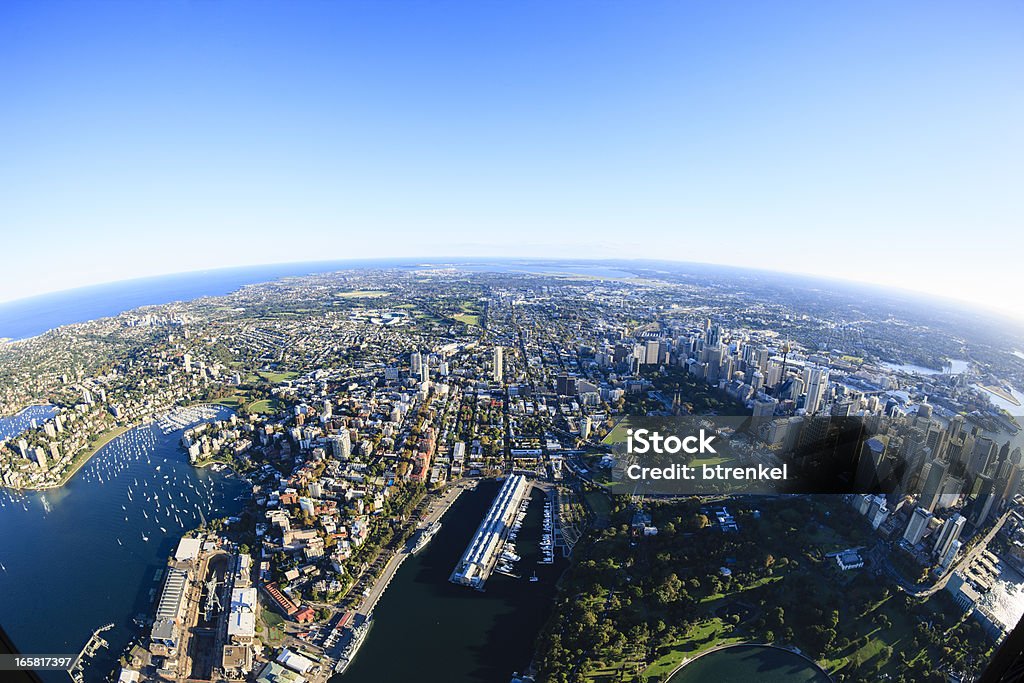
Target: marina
(100, 538)
(485, 635)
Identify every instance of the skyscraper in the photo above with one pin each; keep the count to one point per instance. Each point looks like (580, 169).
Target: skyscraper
(950, 532)
(917, 526)
(817, 383)
(933, 475)
(499, 364)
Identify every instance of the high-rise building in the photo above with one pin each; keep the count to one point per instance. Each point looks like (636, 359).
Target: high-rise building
(817, 383)
(415, 361)
(933, 475)
(949, 533)
(341, 444)
(39, 455)
(652, 356)
(187, 362)
(499, 364)
(918, 525)
(951, 551)
(872, 467)
(764, 406)
(985, 503)
(981, 456)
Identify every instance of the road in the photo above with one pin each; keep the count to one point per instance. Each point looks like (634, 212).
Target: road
(964, 561)
(434, 512)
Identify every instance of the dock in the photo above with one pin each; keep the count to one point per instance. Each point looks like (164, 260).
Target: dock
(94, 644)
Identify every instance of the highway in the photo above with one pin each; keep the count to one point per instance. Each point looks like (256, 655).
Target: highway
(963, 561)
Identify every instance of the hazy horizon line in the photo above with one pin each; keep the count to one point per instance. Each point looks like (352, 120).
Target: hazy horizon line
(324, 266)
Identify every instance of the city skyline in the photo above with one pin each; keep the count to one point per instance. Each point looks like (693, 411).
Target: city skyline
(875, 144)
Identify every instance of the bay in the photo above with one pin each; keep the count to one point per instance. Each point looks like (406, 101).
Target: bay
(427, 629)
(78, 557)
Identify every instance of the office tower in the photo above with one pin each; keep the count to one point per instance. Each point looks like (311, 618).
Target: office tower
(773, 375)
(985, 502)
(652, 355)
(425, 369)
(499, 364)
(817, 383)
(714, 361)
(328, 409)
(714, 336)
(951, 552)
(756, 380)
(586, 424)
(415, 361)
(917, 526)
(764, 406)
(981, 455)
(933, 475)
(949, 533)
(872, 468)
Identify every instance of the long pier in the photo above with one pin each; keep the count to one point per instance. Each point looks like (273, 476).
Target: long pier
(93, 646)
(481, 555)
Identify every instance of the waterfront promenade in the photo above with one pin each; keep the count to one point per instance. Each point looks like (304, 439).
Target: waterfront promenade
(433, 513)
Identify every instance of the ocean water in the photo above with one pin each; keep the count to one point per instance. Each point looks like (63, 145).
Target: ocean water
(30, 317)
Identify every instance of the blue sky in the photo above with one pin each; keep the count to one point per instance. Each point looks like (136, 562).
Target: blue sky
(870, 141)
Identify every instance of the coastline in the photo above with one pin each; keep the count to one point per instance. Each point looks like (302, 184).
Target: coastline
(30, 405)
(80, 461)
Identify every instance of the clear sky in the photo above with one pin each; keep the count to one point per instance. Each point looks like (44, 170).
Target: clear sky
(874, 141)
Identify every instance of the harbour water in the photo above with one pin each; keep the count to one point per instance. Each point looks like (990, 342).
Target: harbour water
(92, 552)
(742, 663)
(1005, 601)
(16, 424)
(953, 367)
(89, 553)
(455, 633)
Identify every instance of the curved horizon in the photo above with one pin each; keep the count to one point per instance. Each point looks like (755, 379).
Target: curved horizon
(194, 284)
(877, 144)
